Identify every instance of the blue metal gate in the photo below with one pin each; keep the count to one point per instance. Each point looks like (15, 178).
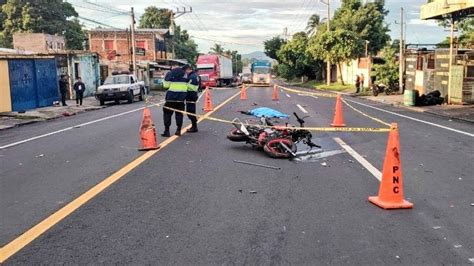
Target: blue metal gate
(33, 83)
(22, 84)
(46, 81)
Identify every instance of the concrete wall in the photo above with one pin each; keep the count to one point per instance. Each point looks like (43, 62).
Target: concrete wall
(38, 42)
(88, 70)
(351, 69)
(5, 98)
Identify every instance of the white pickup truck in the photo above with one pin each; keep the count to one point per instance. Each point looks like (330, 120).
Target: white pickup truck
(120, 87)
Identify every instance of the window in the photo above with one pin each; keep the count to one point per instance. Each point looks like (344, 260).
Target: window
(431, 61)
(76, 70)
(470, 72)
(108, 45)
(140, 44)
(419, 62)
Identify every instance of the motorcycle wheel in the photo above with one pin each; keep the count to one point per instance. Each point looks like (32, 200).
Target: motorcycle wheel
(275, 150)
(388, 91)
(375, 91)
(237, 136)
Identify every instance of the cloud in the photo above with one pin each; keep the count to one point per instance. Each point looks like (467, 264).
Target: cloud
(244, 24)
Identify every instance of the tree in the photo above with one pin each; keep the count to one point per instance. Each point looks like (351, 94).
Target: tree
(466, 35)
(272, 46)
(336, 46)
(185, 47)
(366, 20)
(387, 73)
(294, 54)
(155, 18)
(313, 24)
(74, 35)
(217, 49)
(46, 16)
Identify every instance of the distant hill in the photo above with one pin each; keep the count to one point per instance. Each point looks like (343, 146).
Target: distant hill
(256, 55)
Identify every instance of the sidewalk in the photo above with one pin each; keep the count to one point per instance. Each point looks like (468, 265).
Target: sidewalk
(459, 112)
(13, 119)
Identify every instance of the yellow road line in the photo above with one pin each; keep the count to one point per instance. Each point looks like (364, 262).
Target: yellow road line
(366, 115)
(27, 237)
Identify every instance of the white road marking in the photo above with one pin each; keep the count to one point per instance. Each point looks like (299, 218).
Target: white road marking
(287, 95)
(307, 95)
(302, 109)
(200, 96)
(374, 171)
(414, 119)
(72, 127)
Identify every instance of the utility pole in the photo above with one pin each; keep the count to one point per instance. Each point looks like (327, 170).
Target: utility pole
(450, 80)
(173, 16)
(134, 58)
(328, 64)
(401, 65)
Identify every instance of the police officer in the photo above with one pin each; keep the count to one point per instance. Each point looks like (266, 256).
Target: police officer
(191, 98)
(176, 82)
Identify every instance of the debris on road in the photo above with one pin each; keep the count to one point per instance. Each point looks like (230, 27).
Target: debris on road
(257, 164)
(253, 192)
(324, 164)
(39, 156)
(436, 227)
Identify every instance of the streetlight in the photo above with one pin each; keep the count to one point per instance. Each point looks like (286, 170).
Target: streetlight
(328, 64)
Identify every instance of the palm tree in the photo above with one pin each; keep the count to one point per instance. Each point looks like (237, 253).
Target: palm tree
(217, 49)
(313, 23)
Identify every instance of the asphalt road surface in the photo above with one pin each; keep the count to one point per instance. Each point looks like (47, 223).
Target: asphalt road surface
(190, 203)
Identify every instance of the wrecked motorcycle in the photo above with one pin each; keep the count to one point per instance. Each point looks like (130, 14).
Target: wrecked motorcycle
(276, 141)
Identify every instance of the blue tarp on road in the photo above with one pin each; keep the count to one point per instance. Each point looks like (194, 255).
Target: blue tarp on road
(267, 112)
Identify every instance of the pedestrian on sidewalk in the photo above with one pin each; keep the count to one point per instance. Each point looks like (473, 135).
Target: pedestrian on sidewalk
(362, 80)
(63, 84)
(79, 88)
(357, 83)
(176, 82)
(191, 98)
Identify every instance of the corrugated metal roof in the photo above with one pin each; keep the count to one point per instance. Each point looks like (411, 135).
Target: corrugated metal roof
(159, 31)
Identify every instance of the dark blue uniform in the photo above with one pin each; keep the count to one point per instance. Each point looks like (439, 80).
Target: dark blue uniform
(191, 98)
(176, 82)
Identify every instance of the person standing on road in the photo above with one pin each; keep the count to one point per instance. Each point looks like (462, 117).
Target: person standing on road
(63, 84)
(362, 80)
(357, 83)
(79, 88)
(191, 98)
(176, 82)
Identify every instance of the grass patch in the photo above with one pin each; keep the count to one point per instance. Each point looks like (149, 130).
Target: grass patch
(333, 87)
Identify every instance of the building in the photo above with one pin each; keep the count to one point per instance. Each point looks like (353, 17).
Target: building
(39, 42)
(428, 70)
(114, 47)
(27, 82)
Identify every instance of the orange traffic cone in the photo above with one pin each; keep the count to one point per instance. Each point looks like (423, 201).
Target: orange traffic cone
(391, 187)
(148, 132)
(208, 101)
(243, 92)
(275, 96)
(338, 117)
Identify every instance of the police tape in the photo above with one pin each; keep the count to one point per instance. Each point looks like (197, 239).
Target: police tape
(315, 129)
(364, 114)
(320, 94)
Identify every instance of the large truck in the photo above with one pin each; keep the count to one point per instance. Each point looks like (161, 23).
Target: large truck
(261, 72)
(215, 70)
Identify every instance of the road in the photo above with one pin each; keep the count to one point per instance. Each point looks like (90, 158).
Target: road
(190, 203)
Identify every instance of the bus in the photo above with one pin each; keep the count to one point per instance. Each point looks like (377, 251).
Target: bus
(261, 72)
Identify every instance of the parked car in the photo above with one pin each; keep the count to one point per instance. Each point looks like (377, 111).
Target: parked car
(120, 87)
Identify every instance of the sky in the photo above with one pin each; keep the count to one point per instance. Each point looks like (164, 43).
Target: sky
(243, 25)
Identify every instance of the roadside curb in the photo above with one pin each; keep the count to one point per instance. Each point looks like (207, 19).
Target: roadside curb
(401, 106)
(418, 110)
(39, 119)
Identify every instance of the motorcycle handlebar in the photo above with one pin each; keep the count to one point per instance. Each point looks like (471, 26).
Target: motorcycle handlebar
(301, 121)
